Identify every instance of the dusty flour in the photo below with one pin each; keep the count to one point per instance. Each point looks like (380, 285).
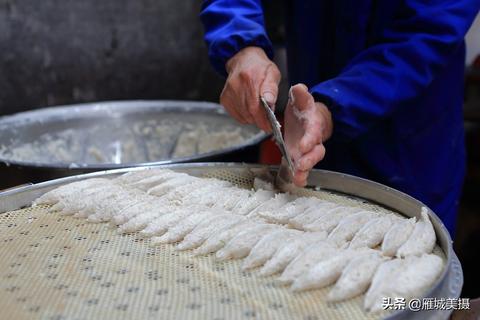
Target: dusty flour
(198, 140)
(142, 141)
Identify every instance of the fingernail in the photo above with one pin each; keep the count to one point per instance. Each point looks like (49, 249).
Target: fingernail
(304, 86)
(290, 96)
(269, 97)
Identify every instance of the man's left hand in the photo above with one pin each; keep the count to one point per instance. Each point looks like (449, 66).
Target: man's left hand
(307, 125)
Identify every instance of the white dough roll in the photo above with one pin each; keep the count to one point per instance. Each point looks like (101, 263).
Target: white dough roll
(356, 277)
(289, 251)
(331, 219)
(267, 246)
(312, 214)
(372, 233)
(422, 240)
(253, 202)
(53, 196)
(207, 229)
(348, 227)
(315, 253)
(241, 245)
(325, 272)
(218, 240)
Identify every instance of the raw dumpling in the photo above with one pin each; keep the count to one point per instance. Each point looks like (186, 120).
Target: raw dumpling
(273, 204)
(418, 274)
(229, 199)
(422, 240)
(208, 228)
(101, 203)
(74, 203)
(325, 272)
(218, 240)
(129, 213)
(153, 181)
(397, 235)
(267, 246)
(261, 184)
(386, 272)
(241, 245)
(415, 276)
(181, 194)
(348, 227)
(130, 199)
(315, 253)
(290, 210)
(137, 175)
(284, 255)
(208, 194)
(372, 233)
(185, 226)
(254, 201)
(356, 277)
(71, 199)
(319, 211)
(108, 207)
(331, 219)
(141, 220)
(163, 223)
(55, 195)
(168, 185)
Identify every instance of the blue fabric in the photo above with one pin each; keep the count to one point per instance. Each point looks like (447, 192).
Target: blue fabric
(391, 73)
(231, 26)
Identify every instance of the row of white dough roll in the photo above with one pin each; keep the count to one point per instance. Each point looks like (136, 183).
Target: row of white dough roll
(311, 242)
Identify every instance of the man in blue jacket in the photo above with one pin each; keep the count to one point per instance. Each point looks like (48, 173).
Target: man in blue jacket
(385, 83)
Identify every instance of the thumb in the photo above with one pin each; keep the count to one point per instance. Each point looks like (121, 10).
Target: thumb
(299, 97)
(269, 87)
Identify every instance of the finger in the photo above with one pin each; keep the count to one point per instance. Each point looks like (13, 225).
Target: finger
(309, 160)
(312, 136)
(262, 117)
(229, 99)
(255, 110)
(259, 115)
(242, 96)
(269, 87)
(300, 178)
(300, 97)
(269, 90)
(226, 102)
(244, 109)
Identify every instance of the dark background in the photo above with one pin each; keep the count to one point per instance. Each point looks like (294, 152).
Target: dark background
(55, 52)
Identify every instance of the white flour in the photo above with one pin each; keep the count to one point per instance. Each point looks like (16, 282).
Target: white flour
(143, 141)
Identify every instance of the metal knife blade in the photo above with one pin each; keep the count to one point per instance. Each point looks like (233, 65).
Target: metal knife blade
(277, 134)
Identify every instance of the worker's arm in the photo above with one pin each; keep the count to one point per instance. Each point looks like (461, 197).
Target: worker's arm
(238, 46)
(412, 51)
(231, 26)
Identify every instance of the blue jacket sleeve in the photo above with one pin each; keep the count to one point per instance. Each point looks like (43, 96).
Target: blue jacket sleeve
(412, 50)
(231, 26)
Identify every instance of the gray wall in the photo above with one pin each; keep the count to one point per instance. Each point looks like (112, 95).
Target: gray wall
(64, 51)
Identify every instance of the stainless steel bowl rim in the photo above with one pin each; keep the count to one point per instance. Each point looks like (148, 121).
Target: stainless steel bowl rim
(117, 109)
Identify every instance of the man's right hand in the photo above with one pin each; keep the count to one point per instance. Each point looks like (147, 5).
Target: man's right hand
(251, 74)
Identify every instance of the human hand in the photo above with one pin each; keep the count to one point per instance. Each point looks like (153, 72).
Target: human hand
(251, 74)
(307, 125)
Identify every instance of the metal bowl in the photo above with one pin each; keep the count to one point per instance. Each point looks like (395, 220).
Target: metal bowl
(66, 140)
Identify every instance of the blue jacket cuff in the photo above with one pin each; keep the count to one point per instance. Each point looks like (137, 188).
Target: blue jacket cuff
(221, 50)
